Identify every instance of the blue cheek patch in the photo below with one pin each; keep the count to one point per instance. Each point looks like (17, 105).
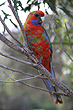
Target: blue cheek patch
(35, 22)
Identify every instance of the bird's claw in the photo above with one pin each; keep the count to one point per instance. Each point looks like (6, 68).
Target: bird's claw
(39, 61)
(31, 52)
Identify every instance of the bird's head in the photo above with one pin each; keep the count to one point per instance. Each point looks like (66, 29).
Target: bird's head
(35, 18)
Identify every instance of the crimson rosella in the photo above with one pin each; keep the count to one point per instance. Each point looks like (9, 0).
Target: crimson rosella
(39, 43)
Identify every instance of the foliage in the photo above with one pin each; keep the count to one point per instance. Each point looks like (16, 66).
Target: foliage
(53, 4)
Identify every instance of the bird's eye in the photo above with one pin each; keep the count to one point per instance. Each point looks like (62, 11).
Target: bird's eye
(36, 15)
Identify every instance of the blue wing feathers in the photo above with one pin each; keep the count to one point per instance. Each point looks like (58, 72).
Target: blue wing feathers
(51, 69)
(45, 34)
(50, 46)
(55, 98)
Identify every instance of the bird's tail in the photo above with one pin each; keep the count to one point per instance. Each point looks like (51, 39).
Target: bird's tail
(55, 98)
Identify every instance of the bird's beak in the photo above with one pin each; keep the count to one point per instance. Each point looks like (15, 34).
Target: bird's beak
(42, 19)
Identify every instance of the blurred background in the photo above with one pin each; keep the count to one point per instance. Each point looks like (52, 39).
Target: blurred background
(14, 96)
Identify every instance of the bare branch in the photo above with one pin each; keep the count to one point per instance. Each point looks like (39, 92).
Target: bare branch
(61, 43)
(11, 34)
(9, 43)
(10, 75)
(5, 67)
(57, 22)
(18, 60)
(56, 82)
(17, 48)
(15, 81)
(19, 22)
(68, 37)
(23, 73)
(64, 43)
(19, 79)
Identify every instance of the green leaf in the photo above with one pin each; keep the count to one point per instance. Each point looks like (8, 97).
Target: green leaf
(6, 15)
(28, 8)
(66, 11)
(65, 20)
(52, 5)
(13, 23)
(15, 5)
(46, 11)
(28, 1)
(2, 3)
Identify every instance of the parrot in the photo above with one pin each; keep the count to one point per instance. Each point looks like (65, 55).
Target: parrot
(39, 42)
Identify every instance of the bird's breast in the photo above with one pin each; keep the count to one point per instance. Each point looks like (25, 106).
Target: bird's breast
(37, 41)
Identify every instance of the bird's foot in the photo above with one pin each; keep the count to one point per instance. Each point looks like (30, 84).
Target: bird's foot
(39, 61)
(31, 52)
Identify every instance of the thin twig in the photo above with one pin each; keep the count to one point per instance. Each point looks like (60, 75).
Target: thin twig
(18, 60)
(68, 37)
(10, 75)
(57, 22)
(7, 79)
(61, 43)
(11, 34)
(19, 79)
(17, 71)
(17, 48)
(70, 43)
(23, 73)
(52, 92)
(56, 82)
(64, 43)
(19, 22)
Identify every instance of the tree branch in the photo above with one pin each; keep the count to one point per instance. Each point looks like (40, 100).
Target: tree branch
(68, 37)
(11, 34)
(40, 67)
(64, 43)
(23, 73)
(19, 22)
(18, 60)
(52, 26)
(17, 48)
(56, 82)
(19, 81)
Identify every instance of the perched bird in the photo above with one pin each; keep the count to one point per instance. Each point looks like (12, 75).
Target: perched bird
(39, 43)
